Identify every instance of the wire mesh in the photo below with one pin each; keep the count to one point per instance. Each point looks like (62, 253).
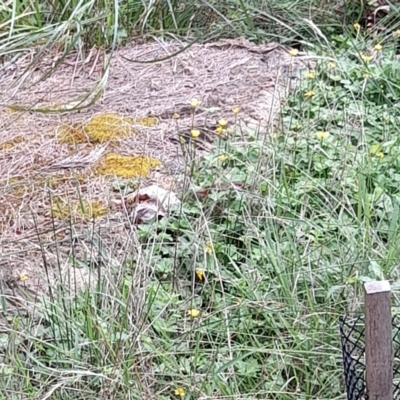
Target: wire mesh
(352, 335)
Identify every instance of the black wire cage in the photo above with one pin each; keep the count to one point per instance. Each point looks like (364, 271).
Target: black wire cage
(352, 335)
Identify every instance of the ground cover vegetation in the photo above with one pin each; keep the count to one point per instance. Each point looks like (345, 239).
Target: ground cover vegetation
(238, 293)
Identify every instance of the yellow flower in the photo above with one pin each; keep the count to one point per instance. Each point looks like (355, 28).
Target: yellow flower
(195, 103)
(223, 123)
(274, 135)
(331, 65)
(310, 75)
(219, 130)
(356, 26)
(195, 133)
(23, 277)
(293, 52)
(180, 391)
(397, 33)
(379, 154)
(182, 140)
(208, 248)
(223, 157)
(322, 135)
(176, 116)
(200, 274)
(310, 93)
(367, 58)
(378, 47)
(193, 313)
(366, 76)
(236, 110)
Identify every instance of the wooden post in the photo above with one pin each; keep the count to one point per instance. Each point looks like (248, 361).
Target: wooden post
(378, 341)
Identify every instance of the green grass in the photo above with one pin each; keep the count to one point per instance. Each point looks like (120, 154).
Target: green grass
(77, 23)
(307, 214)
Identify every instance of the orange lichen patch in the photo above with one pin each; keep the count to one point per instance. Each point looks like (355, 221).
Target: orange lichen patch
(63, 209)
(101, 128)
(146, 121)
(9, 144)
(125, 166)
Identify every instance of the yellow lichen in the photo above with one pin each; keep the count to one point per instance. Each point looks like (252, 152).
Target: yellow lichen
(146, 121)
(106, 127)
(19, 192)
(72, 134)
(101, 128)
(9, 144)
(63, 209)
(18, 188)
(125, 166)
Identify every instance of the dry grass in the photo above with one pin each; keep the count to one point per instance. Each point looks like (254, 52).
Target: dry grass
(38, 164)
